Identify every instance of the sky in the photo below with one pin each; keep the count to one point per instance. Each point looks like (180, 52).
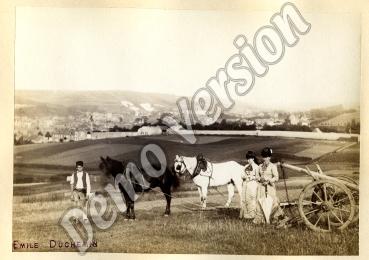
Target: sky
(177, 51)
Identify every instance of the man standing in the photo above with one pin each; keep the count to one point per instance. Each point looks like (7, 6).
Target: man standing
(80, 187)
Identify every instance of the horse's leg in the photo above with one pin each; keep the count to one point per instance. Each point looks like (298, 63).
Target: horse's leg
(200, 193)
(128, 211)
(239, 188)
(204, 190)
(132, 216)
(230, 194)
(167, 209)
(167, 194)
(130, 208)
(126, 201)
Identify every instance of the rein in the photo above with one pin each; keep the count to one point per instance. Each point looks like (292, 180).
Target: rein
(185, 166)
(175, 197)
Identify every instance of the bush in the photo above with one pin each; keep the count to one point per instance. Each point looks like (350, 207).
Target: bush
(224, 125)
(287, 127)
(22, 140)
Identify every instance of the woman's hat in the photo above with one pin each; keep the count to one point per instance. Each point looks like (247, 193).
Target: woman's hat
(79, 163)
(250, 155)
(266, 152)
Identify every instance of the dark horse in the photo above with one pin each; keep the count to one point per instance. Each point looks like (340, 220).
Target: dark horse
(165, 182)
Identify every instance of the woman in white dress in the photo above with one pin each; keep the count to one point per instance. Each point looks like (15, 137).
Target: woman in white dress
(249, 187)
(267, 177)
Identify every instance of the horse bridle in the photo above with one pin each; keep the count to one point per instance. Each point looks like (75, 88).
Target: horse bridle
(184, 164)
(195, 173)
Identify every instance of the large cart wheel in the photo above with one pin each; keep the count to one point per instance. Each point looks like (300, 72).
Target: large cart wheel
(355, 194)
(325, 205)
(347, 178)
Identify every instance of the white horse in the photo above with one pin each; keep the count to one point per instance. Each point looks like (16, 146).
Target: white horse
(217, 174)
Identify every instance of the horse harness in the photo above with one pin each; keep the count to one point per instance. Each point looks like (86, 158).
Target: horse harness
(129, 177)
(202, 165)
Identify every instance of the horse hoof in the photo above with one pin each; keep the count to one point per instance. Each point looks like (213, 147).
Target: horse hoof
(166, 215)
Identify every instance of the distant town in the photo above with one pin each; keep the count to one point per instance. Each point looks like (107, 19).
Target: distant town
(148, 121)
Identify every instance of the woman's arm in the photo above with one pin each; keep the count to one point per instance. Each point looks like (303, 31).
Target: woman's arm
(88, 184)
(71, 185)
(275, 175)
(257, 173)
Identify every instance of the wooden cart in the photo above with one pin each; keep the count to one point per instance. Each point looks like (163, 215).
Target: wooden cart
(327, 203)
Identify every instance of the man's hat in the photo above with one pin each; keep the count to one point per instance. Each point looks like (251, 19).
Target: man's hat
(266, 152)
(79, 163)
(250, 155)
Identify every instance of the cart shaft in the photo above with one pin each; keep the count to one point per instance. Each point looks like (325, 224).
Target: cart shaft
(317, 175)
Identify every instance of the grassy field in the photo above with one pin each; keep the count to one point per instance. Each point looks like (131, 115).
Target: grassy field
(41, 195)
(232, 148)
(197, 232)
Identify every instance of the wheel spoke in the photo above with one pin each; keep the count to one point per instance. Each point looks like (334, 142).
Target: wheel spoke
(337, 217)
(340, 200)
(311, 211)
(329, 222)
(318, 196)
(310, 216)
(325, 192)
(334, 193)
(316, 223)
(345, 210)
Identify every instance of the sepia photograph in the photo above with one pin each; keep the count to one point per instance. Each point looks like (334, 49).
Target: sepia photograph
(164, 131)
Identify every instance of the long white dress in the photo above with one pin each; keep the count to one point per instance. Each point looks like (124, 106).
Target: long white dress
(249, 191)
(268, 172)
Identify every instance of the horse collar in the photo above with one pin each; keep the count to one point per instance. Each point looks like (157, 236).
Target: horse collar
(197, 169)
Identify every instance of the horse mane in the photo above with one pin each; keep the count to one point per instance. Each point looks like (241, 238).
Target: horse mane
(115, 167)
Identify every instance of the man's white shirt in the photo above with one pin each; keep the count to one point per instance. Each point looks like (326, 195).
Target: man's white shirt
(79, 184)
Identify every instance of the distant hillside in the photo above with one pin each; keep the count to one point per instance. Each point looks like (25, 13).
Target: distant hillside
(36, 103)
(40, 103)
(342, 119)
